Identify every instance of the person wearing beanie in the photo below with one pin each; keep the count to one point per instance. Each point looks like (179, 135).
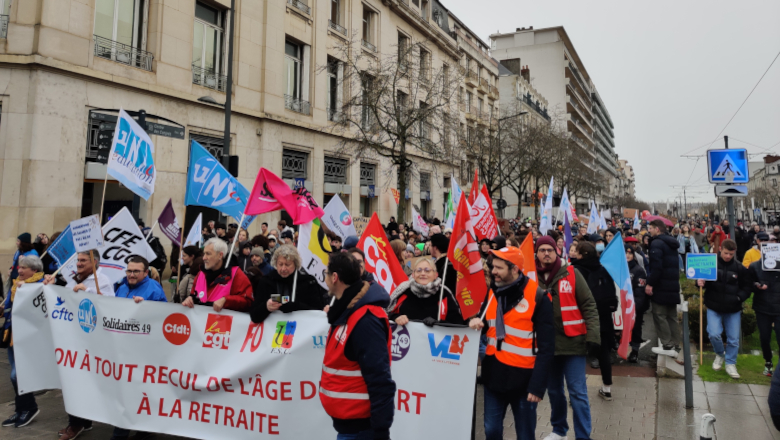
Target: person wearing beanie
(499, 242)
(243, 260)
(520, 346)
(24, 247)
(574, 305)
(351, 241)
(638, 282)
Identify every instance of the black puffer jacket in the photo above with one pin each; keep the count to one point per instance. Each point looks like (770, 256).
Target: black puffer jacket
(638, 283)
(664, 273)
(765, 301)
(732, 288)
(599, 281)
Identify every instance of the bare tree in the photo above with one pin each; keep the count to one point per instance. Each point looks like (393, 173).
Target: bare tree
(398, 107)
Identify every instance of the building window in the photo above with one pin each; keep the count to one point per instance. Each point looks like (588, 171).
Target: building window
(468, 102)
(425, 65)
(403, 49)
(445, 74)
(335, 21)
(335, 170)
(214, 145)
(402, 103)
(367, 174)
(207, 47)
(774, 182)
(295, 93)
(425, 129)
(425, 10)
(367, 83)
(120, 31)
(333, 89)
(369, 17)
(294, 164)
(480, 106)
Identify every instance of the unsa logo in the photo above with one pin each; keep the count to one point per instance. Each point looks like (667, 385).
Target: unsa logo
(176, 329)
(217, 333)
(87, 315)
(346, 219)
(401, 341)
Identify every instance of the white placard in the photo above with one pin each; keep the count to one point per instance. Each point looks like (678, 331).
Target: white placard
(86, 233)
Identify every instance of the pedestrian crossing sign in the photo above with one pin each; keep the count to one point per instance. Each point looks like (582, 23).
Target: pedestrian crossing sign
(728, 166)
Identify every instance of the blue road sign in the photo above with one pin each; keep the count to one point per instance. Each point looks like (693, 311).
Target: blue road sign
(728, 166)
(701, 267)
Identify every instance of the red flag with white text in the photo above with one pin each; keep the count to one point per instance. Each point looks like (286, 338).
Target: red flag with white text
(483, 217)
(463, 253)
(380, 259)
(474, 188)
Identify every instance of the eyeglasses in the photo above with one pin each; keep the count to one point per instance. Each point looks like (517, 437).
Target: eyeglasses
(134, 272)
(546, 251)
(426, 270)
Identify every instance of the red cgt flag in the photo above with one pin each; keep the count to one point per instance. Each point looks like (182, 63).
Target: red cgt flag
(464, 256)
(270, 193)
(380, 258)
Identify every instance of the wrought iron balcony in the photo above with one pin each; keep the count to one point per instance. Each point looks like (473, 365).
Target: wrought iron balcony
(121, 53)
(472, 75)
(336, 27)
(3, 26)
(369, 46)
(297, 105)
(535, 105)
(334, 115)
(208, 78)
(301, 6)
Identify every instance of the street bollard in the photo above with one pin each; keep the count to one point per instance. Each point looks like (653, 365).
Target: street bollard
(687, 354)
(707, 429)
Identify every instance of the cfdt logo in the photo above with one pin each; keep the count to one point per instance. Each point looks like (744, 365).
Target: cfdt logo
(176, 329)
(61, 313)
(283, 337)
(450, 348)
(346, 219)
(217, 334)
(87, 315)
(401, 341)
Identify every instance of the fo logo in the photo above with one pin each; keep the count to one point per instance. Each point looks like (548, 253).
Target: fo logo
(176, 329)
(217, 334)
(450, 348)
(565, 287)
(346, 219)
(87, 315)
(401, 341)
(283, 337)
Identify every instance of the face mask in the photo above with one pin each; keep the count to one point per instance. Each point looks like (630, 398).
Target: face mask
(600, 247)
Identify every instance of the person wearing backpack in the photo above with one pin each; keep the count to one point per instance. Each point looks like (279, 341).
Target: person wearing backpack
(603, 289)
(161, 261)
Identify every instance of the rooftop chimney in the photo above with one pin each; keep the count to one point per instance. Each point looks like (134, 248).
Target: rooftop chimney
(525, 72)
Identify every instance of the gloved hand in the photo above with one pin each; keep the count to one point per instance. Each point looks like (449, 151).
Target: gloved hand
(593, 347)
(429, 321)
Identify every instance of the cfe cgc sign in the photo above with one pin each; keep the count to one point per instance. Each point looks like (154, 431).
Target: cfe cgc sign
(770, 256)
(701, 267)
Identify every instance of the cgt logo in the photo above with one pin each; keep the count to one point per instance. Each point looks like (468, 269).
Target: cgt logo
(283, 337)
(87, 316)
(176, 329)
(217, 333)
(450, 347)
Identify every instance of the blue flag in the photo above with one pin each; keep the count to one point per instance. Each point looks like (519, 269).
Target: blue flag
(210, 185)
(614, 260)
(567, 238)
(62, 248)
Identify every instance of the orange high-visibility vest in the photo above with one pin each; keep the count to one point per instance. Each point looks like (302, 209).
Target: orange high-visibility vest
(518, 348)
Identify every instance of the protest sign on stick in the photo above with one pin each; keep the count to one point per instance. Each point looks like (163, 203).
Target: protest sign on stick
(87, 237)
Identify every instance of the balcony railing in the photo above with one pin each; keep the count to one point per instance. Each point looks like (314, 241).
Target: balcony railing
(301, 6)
(535, 105)
(334, 115)
(121, 53)
(368, 46)
(494, 90)
(3, 26)
(208, 78)
(484, 83)
(297, 105)
(472, 75)
(336, 27)
(579, 78)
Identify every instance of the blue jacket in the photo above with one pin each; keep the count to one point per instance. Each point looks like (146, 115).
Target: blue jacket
(367, 345)
(15, 267)
(148, 289)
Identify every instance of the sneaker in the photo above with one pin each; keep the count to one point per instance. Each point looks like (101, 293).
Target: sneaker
(605, 395)
(595, 364)
(71, 432)
(731, 369)
(26, 417)
(768, 369)
(554, 436)
(717, 364)
(84, 429)
(666, 350)
(633, 357)
(11, 421)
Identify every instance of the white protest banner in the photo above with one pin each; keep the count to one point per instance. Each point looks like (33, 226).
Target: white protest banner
(131, 160)
(338, 219)
(418, 223)
(86, 233)
(122, 240)
(161, 367)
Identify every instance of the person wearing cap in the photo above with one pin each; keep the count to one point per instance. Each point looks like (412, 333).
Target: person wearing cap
(287, 237)
(634, 244)
(24, 247)
(244, 259)
(754, 254)
(521, 346)
(598, 242)
(258, 258)
(220, 231)
(272, 245)
(448, 232)
(576, 327)
(766, 303)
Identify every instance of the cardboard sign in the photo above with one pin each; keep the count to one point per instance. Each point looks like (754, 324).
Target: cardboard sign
(701, 267)
(360, 224)
(770, 256)
(86, 233)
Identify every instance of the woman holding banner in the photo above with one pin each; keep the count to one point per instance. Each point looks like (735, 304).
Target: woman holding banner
(418, 298)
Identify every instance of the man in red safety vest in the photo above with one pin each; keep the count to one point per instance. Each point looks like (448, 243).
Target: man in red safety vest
(520, 346)
(576, 326)
(356, 388)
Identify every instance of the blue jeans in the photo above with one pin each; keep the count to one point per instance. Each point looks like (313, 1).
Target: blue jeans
(363, 435)
(715, 324)
(523, 411)
(25, 402)
(571, 368)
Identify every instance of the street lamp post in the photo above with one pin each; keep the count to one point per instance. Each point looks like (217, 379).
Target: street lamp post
(229, 88)
(501, 188)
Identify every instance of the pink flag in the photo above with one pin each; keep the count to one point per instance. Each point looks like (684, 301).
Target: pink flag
(306, 208)
(270, 193)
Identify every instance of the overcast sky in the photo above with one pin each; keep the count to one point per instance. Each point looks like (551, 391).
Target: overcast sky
(671, 73)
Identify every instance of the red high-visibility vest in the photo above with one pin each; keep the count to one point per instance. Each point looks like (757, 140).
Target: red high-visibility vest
(343, 391)
(518, 349)
(573, 324)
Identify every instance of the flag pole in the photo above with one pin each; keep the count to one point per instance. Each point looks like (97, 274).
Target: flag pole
(235, 239)
(152, 229)
(701, 328)
(181, 250)
(94, 271)
(54, 275)
(103, 199)
(295, 284)
(443, 279)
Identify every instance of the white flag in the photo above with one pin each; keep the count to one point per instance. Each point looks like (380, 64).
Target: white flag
(194, 238)
(338, 219)
(314, 247)
(593, 220)
(564, 211)
(418, 223)
(603, 219)
(546, 223)
(131, 160)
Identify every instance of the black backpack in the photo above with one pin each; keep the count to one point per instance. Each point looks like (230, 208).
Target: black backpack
(162, 260)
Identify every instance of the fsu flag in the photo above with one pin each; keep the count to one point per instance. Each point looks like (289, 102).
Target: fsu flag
(380, 258)
(464, 256)
(614, 260)
(270, 193)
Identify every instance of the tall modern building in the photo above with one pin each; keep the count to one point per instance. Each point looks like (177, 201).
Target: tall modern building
(559, 74)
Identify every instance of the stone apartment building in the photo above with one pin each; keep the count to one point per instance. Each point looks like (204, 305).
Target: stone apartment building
(67, 66)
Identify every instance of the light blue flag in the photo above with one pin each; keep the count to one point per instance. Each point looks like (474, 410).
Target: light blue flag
(594, 220)
(62, 248)
(131, 160)
(210, 185)
(614, 261)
